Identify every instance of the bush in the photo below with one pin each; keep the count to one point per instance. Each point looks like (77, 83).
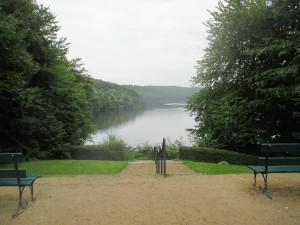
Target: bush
(202, 154)
(111, 149)
(172, 152)
(173, 147)
(142, 152)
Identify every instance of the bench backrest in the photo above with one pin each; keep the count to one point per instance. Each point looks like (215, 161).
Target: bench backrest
(280, 147)
(7, 157)
(12, 173)
(279, 161)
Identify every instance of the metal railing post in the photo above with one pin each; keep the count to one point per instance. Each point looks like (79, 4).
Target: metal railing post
(165, 155)
(160, 158)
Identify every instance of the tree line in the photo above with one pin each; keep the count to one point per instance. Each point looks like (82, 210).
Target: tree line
(114, 97)
(48, 102)
(163, 94)
(250, 75)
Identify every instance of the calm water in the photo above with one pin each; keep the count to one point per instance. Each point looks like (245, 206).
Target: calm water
(149, 126)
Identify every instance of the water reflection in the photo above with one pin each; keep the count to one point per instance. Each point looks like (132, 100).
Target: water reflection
(148, 126)
(115, 119)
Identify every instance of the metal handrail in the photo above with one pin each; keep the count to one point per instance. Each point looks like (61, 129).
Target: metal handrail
(160, 158)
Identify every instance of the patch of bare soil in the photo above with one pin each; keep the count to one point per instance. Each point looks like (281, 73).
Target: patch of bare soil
(137, 198)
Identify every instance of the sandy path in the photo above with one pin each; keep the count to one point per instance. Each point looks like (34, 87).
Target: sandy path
(148, 167)
(138, 199)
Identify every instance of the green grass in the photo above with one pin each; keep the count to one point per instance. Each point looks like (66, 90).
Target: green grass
(71, 167)
(212, 168)
(77, 167)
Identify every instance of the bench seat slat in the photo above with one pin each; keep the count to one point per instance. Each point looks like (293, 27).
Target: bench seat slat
(277, 169)
(13, 182)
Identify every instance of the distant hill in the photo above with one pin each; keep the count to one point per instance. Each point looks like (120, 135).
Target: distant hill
(163, 94)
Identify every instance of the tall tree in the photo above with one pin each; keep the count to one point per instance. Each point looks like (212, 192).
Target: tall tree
(45, 99)
(250, 74)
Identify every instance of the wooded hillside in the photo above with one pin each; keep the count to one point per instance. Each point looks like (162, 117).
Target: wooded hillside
(114, 97)
(164, 94)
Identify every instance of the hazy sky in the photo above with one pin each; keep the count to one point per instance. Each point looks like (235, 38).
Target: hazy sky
(141, 42)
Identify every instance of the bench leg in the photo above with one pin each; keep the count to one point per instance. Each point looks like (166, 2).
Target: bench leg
(20, 200)
(254, 184)
(265, 176)
(20, 204)
(31, 191)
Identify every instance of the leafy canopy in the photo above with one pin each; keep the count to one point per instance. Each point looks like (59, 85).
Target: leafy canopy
(45, 99)
(249, 74)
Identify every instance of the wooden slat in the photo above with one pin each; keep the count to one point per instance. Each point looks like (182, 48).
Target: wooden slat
(7, 157)
(284, 169)
(11, 173)
(276, 169)
(280, 147)
(13, 182)
(280, 161)
(10, 182)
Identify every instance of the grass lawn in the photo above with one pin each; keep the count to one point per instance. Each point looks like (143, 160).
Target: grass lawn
(76, 167)
(212, 168)
(71, 167)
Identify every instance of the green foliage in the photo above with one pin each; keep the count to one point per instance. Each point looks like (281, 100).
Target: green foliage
(172, 148)
(146, 151)
(113, 97)
(113, 148)
(45, 99)
(250, 75)
(142, 152)
(209, 155)
(71, 167)
(214, 169)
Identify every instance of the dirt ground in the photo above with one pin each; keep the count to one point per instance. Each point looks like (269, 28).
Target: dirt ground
(139, 197)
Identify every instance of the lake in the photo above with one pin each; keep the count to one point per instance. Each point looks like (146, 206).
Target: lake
(147, 126)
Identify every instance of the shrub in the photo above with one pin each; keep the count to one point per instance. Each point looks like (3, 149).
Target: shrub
(142, 152)
(145, 151)
(111, 149)
(202, 154)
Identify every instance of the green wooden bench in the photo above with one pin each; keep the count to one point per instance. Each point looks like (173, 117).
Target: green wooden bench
(16, 177)
(284, 163)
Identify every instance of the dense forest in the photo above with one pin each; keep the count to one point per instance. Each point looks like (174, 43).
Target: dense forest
(164, 94)
(46, 99)
(250, 75)
(114, 97)
(48, 102)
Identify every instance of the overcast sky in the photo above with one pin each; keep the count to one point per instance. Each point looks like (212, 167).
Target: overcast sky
(139, 42)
